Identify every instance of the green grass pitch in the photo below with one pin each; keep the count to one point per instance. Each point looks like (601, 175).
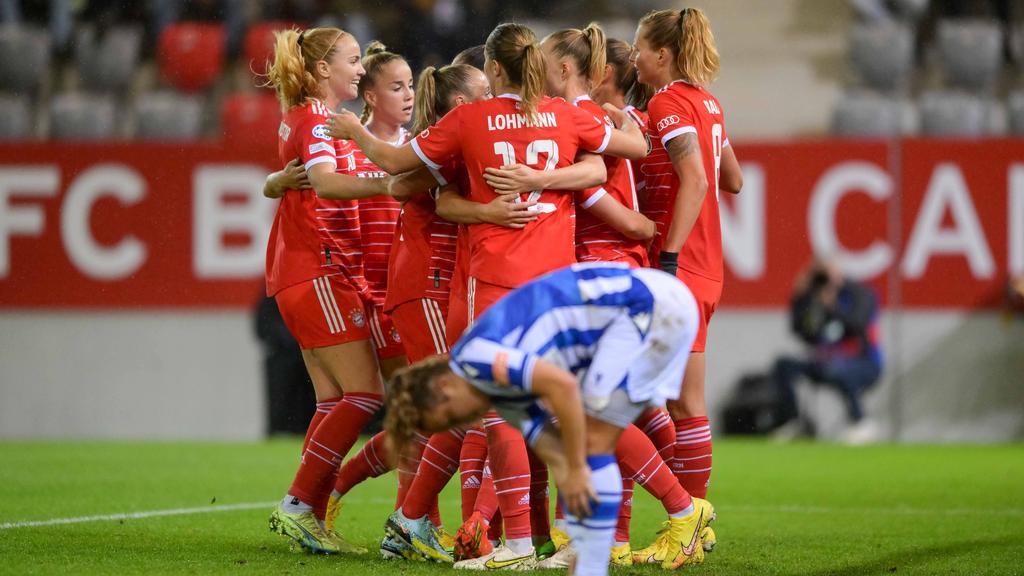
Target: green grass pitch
(803, 509)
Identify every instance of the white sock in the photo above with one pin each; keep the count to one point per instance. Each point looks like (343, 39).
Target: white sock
(593, 537)
(521, 546)
(293, 505)
(684, 512)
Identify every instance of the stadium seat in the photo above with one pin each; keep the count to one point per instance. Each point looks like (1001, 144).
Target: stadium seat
(258, 47)
(867, 115)
(76, 116)
(882, 55)
(955, 114)
(191, 55)
(168, 116)
(107, 61)
(250, 115)
(26, 58)
(1015, 105)
(970, 53)
(15, 118)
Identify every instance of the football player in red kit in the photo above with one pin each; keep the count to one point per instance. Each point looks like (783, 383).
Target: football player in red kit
(691, 161)
(314, 271)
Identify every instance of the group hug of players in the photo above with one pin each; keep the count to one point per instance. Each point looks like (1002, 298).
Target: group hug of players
(395, 256)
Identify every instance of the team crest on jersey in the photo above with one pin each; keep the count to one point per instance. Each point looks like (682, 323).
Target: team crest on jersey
(395, 336)
(667, 121)
(284, 131)
(320, 131)
(357, 318)
(425, 133)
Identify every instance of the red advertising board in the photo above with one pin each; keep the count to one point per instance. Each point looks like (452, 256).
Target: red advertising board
(122, 226)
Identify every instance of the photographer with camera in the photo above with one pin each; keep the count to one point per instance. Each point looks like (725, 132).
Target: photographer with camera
(838, 319)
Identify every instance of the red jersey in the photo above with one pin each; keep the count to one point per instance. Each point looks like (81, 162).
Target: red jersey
(639, 117)
(596, 240)
(491, 133)
(377, 219)
(297, 249)
(423, 251)
(677, 109)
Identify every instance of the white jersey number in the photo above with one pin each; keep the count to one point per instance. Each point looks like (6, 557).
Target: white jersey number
(533, 152)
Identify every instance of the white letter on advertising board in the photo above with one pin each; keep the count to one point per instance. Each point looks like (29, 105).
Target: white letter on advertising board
(947, 189)
(90, 257)
(23, 219)
(213, 217)
(843, 179)
(743, 226)
(1015, 219)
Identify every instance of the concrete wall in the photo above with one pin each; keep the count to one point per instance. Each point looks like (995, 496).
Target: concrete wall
(173, 375)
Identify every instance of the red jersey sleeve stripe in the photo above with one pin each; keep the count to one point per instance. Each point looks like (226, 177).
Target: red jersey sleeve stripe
(419, 152)
(677, 132)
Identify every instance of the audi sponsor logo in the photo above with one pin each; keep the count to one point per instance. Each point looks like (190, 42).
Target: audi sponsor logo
(667, 121)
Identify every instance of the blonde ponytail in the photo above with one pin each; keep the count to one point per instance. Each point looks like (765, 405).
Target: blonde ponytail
(435, 89)
(515, 47)
(597, 60)
(295, 57)
(586, 48)
(426, 100)
(687, 33)
(533, 78)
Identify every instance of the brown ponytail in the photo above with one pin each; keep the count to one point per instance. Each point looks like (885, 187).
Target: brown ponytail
(515, 47)
(410, 393)
(375, 59)
(434, 92)
(586, 47)
(687, 33)
(624, 74)
(295, 57)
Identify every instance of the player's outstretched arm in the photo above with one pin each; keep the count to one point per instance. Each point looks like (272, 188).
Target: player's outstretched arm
(502, 211)
(560, 392)
(588, 171)
(627, 141)
(730, 177)
(333, 186)
(629, 223)
(391, 159)
(292, 177)
(405, 186)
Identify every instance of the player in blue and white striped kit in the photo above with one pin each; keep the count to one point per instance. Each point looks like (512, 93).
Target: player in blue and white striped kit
(590, 346)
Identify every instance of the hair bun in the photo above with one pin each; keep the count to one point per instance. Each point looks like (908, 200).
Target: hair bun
(375, 47)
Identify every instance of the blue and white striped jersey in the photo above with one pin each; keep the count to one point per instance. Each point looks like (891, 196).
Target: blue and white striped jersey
(560, 317)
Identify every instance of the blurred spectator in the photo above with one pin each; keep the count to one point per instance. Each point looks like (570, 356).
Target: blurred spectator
(837, 318)
(290, 399)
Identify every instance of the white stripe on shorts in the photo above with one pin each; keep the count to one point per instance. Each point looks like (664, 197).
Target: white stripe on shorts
(325, 306)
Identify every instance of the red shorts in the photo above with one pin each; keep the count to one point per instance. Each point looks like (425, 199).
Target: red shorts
(421, 326)
(386, 340)
(322, 312)
(482, 295)
(707, 293)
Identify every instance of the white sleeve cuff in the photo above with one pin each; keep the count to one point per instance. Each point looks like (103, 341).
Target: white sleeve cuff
(593, 199)
(321, 160)
(419, 152)
(677, 132)
(441, 181)
(607, 139)
(726, 143)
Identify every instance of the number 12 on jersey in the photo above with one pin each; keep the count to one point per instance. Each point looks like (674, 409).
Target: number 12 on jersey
(533, 151)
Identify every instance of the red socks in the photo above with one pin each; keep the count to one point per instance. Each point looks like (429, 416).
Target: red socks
(439, 462)
(540, 518)
(511, 468)
(329, 443)
(658, 426)
(372, 461)
(322, 410)
(625, 511)
(471, 464)
(692, 465)
(639, 461)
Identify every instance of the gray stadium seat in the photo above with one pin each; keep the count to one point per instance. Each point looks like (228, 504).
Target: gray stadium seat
(867, 115)
(955, 114)
(25, 60)
(882, 55)
(168, 116)
(970, 52)
(107, 61)
(76, 116)
(15, 118)
(1015, 105)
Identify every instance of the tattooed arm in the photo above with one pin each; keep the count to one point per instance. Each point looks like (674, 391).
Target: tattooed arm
(684, 151)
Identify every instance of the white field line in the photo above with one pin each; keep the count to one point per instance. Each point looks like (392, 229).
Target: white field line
(1006, 512)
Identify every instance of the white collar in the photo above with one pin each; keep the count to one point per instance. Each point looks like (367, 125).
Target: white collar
(576, 101)
(515, 97)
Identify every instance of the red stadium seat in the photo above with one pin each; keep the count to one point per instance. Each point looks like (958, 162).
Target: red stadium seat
(258, 47)
(191, 55)
(253, 116)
